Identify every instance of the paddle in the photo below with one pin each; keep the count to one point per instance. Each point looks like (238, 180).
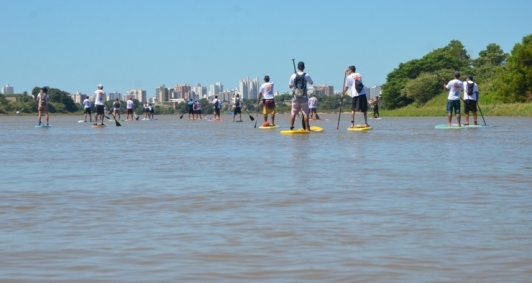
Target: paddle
(257, 115)
(116, 121)
(250, 117)
(181, 117)
(481, 113)
(341, 103)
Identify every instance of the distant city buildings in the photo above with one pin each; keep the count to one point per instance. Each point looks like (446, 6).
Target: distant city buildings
(8, 89)
(111, 96)
(374, 91)
(215, 89)
(137, 94)
(323, 90)
(78, 97)
(249, 89)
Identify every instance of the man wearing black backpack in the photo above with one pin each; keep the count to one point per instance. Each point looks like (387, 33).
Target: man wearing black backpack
(299, 81)
(470, 99)
(359, 102)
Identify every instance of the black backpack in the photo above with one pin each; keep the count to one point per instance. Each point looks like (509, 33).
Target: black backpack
(300, 84)
(116, 104)
(470, 89)
(237, 102)
(359, 86)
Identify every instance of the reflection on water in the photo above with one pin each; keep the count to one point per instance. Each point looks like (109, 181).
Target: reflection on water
(177, 200)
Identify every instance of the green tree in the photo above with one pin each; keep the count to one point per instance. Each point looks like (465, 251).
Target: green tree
(422, 88)
(453, 56)
(514, 83)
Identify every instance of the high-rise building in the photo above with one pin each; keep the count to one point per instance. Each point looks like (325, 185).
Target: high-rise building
(78, 97)
(183, 91)
(374, 91)
(114, 95)
(8, 89)
(137, 94)
(200, 91)
(161, 94)
(249, 89)
(215, 89)
(323, 90)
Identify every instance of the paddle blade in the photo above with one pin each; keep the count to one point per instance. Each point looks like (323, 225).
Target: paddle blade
(137, 118)
(117, 124)
(251, 117)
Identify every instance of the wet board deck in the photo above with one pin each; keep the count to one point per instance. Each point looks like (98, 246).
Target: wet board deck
(99, 126)
(268, 127)
(43, 126)
(359, 127)
(313, 129)
(214, 120)
(451, 127)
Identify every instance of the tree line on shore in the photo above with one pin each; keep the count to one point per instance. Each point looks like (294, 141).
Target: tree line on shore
(501, 77)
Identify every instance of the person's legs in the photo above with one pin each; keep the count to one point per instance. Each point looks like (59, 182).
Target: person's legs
(39, 116)
(475, 117)
(366, 118)
(47, 118)
(273, 118)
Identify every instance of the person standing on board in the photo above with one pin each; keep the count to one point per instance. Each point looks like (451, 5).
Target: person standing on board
(129, 108)
(152, 111)
(455, 87)
(376, 107)
(313, 107)
(298, 81)
(237, 107)
(197, 110)
(268, 102)
(42, 99)
(470, 99)
(217, 105)
(87, 108)
(116, 108)
(99, 103)
(359, 101)
(190, 106)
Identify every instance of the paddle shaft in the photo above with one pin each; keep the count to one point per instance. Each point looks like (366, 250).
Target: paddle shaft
(341, 103)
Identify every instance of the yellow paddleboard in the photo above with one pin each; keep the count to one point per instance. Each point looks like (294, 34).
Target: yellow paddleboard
(268, 127)
(359, 127)
(313, 129)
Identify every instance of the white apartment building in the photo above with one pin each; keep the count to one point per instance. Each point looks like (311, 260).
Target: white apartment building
(138, 94)
(8, 89)
(249, 89)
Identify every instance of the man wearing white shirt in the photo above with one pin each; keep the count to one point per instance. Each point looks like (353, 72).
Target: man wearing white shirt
(129, 108)
(87, 108)
(359, 101)
(470, 99)
(299, 81)
(455, 87)
(99, 103)
(267, 95)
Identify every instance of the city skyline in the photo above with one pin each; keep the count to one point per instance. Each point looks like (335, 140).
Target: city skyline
(223, 41)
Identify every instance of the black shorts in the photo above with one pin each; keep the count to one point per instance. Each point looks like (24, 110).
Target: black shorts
(190, 110)
(470, 106)
(87, 111)
(217, 111)
(237, 110)
(129, 111)
(359, 103)
(99, 109)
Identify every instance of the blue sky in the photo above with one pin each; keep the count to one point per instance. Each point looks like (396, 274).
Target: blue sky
(75, 45)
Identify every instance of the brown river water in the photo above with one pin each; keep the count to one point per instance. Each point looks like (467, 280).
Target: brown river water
(173, 200)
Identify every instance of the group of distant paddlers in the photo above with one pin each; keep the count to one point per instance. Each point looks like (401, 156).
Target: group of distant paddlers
(301, 102)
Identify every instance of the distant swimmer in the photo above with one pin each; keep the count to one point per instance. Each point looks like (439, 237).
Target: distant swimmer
(42, 99)
(267, 94)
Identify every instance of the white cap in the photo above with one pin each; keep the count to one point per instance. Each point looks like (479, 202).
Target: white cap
(100, 85)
